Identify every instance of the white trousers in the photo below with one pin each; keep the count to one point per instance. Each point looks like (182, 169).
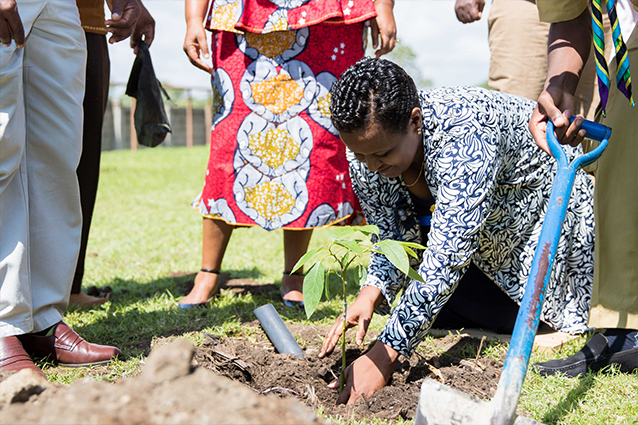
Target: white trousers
(41, 93)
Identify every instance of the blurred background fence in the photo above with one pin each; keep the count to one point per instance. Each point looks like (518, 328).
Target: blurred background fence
(189, 112)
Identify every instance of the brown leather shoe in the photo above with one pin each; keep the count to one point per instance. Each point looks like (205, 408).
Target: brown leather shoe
(13, 357)
(67, 348)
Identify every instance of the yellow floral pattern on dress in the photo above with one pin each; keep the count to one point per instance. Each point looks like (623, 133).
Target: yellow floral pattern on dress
(280, 25)
(277, 93)
(225, 17)
(271, 200)
(271, 44)
(274, 146)
(324, 105)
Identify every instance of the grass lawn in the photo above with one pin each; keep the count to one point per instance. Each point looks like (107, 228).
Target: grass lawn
(146, 242)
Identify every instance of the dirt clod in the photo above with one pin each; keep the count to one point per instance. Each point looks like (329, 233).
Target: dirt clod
(169, 362)
(21, 386)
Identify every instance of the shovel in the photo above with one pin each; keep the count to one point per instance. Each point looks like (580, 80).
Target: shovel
(441, 405)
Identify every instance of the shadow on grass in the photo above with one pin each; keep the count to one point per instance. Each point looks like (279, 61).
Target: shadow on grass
(141, 311)
(570, 402)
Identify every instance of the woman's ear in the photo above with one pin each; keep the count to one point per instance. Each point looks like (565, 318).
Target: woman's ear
(416, 120)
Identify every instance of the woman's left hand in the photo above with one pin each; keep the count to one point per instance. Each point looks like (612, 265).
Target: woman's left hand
(367, 375)
(383, 28)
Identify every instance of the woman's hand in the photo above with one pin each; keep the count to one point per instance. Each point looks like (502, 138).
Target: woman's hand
(359, 314)
(383, 28)
(145, 26)
(468, 11)
(368, 374)
(195, 44)
(551, 102)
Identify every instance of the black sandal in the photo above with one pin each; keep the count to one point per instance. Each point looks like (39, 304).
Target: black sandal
(197, 305)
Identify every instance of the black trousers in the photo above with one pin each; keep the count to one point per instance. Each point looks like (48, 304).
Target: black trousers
(477, 302)
(95, 100)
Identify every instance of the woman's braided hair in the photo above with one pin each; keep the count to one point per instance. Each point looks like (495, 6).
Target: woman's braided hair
(373, 90)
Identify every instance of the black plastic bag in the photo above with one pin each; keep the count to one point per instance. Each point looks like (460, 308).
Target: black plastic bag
(151, 122)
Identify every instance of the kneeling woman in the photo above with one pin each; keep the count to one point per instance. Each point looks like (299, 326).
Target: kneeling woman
(469, 151)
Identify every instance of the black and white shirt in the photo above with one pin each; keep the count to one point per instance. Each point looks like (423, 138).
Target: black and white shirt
(491, 184)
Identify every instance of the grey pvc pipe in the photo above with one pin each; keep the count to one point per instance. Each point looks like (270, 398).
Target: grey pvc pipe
(277, 331)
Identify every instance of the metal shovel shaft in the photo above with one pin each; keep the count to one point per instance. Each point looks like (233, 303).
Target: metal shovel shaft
(510, 384)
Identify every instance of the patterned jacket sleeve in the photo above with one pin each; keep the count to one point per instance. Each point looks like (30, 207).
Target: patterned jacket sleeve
(466, 171)
(378, 196)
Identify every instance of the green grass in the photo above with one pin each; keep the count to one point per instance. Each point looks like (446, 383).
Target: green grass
(146, 244)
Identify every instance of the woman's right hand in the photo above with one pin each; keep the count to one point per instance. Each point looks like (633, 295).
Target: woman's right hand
(195, 44)
(359, 314)
(383, 28)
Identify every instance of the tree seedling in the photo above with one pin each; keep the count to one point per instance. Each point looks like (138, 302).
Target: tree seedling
(347, 249)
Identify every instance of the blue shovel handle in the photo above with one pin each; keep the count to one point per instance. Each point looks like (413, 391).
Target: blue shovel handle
(593, 131)
(510, 384)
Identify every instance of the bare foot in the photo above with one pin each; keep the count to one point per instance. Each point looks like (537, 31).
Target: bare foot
(292, 288)
(83, 300)
(204, 289)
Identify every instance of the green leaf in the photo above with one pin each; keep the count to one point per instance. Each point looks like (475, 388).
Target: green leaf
(415, 275)
(396, 254)
(344, 260)
(305, 258)
(360, 274)
(351, 246)
(342, 232)
(368, 229)
(313, 288)
(412, 245)
(410, 252)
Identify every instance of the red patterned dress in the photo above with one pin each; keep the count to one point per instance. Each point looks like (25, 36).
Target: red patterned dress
(276, 161)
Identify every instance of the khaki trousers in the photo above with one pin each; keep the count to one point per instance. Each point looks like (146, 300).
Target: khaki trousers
(615, 293)
(518, 61)
(518, 48)
(41, 92)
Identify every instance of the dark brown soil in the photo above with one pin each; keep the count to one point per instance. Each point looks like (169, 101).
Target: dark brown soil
(257, 365)
(168, 395)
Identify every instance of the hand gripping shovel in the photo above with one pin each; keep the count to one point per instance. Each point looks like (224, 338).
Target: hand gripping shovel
(441, 405)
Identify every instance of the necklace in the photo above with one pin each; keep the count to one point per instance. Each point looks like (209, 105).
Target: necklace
(417, 177)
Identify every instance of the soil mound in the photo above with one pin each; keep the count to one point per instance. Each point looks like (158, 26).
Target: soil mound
(169, 391)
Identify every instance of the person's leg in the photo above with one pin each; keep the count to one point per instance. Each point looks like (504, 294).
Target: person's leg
(55, 58)
(88, 172)
(615, 294)
(216, 235)
(478, 302)
(518, 48)
(37, 273)
(295, 246)
(15, 290)
(39, 202)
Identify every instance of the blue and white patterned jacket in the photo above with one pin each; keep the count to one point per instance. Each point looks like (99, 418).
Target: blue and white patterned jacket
(491, 184)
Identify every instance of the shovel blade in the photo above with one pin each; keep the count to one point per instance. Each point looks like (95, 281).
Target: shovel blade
(442, 405)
